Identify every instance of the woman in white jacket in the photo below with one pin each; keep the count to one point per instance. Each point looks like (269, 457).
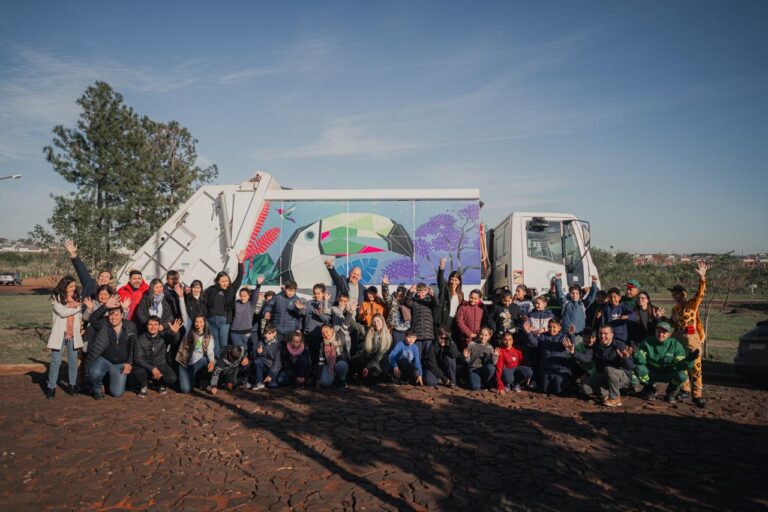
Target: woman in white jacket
(65, 333)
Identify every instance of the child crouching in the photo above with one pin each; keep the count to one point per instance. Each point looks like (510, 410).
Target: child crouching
(231, 368)
(297, 365)
(509, 368)
(333, 364)
(267, 360)
(405, 360)
(479, 360)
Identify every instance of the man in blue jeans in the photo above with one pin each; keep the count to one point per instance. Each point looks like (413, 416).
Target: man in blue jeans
(111, 352)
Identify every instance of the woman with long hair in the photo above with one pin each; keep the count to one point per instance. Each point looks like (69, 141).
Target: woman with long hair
(195, 353)
(371, 360)
(154, 303)
(194, 299)
(65, 333)
(648, 316)
(219, 300)
(449, 298)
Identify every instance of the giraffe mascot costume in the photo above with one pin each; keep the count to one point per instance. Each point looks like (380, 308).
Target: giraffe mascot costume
(690, 331)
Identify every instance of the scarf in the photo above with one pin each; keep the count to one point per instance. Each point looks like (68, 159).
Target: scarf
(69, 332)
(156, 305)
(294, 351)
(329, 351)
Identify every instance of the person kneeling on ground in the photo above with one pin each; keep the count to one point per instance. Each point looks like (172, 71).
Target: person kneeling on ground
(479, 360)
(370, 361)
(111, 351)
(333, 362)
(405, 360)
(613, 366)
(150, 356)
(440, 361)
(509, 368)
(268, 359)
(231, 368)
(662, 358)
(297, 365)
(195, 353)
(555, 360)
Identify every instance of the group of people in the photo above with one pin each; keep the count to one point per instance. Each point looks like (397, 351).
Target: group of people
(164, 334)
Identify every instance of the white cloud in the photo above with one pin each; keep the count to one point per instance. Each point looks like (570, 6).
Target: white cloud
(344, 138)
(309, 55)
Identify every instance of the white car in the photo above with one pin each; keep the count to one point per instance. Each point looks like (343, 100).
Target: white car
(10, 279)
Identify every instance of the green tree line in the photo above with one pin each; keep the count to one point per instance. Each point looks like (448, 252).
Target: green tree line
(728, 277)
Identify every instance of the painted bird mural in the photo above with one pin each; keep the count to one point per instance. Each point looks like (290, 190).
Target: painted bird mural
(360, 236)
(287, 213)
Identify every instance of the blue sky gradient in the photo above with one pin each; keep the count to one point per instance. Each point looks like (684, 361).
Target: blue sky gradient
(646, 118)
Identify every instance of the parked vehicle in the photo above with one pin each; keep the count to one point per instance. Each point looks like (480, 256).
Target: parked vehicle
(531, 247)
(10, 278)
(751, 358)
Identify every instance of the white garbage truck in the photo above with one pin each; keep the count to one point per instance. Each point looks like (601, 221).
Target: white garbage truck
(288, 234)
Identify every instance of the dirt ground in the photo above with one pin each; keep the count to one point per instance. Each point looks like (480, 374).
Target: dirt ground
(387, 448)
(31, 286)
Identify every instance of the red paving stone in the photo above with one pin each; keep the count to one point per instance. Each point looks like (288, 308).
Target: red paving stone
(393, 448)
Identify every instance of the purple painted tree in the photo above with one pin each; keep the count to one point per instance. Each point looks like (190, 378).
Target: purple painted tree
(403, 270)
(449, 235)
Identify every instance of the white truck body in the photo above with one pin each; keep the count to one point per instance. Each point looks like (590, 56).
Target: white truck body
(288, 234)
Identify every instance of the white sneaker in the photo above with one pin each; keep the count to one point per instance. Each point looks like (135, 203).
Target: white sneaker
(259, 386)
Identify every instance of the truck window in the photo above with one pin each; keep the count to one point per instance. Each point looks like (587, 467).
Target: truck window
(545, 244)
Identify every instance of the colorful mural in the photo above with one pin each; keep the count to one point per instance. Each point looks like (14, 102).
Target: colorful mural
(402, 239)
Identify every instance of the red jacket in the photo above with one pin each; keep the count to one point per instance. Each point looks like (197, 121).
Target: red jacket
(127, 292)
(469, 320)
(508, 358)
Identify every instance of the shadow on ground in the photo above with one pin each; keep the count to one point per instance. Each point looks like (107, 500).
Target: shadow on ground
(464, 453)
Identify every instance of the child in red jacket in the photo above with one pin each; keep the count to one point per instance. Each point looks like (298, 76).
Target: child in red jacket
(470, 318)
(509, 369)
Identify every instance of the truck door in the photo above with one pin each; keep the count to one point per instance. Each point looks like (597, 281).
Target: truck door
(501, 257)
(544, 255)
(574, 261)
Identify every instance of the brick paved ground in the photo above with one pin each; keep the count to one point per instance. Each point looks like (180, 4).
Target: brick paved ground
(392, 448)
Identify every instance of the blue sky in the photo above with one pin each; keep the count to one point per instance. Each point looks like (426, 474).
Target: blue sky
(646, 118)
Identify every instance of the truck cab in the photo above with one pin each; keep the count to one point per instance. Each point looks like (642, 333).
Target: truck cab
(532, 247)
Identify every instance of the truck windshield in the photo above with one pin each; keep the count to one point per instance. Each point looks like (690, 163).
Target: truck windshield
(545, 243)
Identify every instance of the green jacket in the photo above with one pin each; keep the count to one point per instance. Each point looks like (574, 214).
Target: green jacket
(589, 367)
(662, 355)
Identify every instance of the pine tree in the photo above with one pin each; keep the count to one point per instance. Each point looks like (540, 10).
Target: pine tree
(130, 174)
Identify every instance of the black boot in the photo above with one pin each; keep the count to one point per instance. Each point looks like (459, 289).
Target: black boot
(699, 402)
(50, 393)
(73, 389)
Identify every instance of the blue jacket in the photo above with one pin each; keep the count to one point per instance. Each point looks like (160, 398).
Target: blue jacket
(612, 316)
(286, 317)
(575, 313)
(540, 319)
(271, 356)
(554, 357)
(314, 321)
(404, 351)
